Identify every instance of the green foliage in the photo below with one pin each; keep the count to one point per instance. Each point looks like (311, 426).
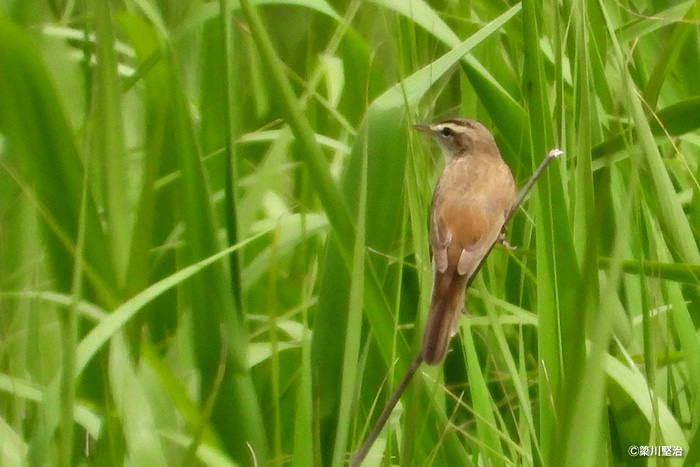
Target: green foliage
(213, 232)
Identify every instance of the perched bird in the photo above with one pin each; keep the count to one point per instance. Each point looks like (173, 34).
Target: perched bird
(471, 201)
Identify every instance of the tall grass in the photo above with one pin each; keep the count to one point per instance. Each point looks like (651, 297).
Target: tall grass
(213, 232)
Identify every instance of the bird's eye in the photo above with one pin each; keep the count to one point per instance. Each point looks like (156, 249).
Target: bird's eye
(446, 131)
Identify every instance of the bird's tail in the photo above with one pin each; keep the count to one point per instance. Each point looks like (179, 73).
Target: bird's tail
(443, 316)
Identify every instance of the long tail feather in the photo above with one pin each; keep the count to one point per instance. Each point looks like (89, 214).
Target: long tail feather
(443, 317)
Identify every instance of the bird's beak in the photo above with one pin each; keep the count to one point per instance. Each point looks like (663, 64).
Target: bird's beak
(423, 129)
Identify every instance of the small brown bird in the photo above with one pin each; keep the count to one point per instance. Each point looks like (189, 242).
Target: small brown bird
(471, 201)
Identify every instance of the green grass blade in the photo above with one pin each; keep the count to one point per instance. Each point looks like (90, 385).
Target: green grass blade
(108, 164)
(37, 133)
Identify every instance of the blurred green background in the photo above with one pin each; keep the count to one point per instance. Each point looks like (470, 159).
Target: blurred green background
(213, 232)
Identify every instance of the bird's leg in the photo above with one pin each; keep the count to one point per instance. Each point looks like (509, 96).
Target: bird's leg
(502, 239)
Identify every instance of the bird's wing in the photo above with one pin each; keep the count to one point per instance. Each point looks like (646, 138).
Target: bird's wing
(440, 239)
(459, 231)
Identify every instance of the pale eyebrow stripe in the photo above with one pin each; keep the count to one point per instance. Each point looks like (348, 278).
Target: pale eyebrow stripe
(454, 127)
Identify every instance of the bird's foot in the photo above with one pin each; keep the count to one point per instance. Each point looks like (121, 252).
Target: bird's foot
(502, 240)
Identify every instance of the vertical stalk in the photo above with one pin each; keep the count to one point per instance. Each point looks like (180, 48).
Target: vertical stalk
(69, 337)
(231, 169)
